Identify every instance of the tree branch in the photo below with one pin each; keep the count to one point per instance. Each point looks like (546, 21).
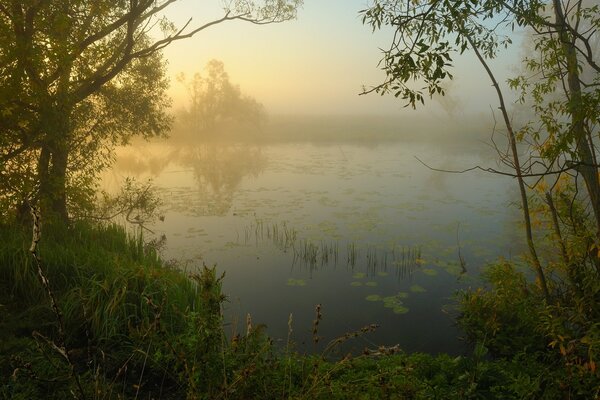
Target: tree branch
(570, 167)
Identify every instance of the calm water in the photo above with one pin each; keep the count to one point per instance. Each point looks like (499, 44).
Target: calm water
(366, 231)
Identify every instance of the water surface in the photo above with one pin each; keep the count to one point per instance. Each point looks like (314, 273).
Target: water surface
(366, 231)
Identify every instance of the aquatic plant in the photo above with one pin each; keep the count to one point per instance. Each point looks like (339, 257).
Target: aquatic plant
(374, 261)
(417, 289)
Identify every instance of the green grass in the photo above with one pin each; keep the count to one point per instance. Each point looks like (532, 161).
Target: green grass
(100, 268)
(113, 293)
(137, 329)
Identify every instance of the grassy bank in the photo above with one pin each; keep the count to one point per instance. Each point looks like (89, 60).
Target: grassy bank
(131, 327)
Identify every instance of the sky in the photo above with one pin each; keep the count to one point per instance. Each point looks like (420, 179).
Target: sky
(316, 64)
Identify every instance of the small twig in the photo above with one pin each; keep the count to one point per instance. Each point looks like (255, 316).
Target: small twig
(382, 351)
(349, 335)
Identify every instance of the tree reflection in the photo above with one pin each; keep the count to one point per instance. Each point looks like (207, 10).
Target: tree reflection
(217, 169)
(206, 139)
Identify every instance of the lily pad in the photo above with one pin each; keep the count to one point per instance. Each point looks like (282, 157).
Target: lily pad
(373, 297)
(296, 282)
(391, 302)
(355, 283)
(402, 295)
(359, 275)
(429, 271)
(382, 273)
(454, 268)
(417, 289)
(400, 310)
(371, 283)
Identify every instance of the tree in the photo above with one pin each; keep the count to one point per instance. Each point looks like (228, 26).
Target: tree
(561, 87)
(563, 133)
(79, 76)
(215, 100)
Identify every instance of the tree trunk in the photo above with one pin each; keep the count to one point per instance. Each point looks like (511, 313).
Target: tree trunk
(60, 158)
(53, 163)
(588, 170)
(541, 278)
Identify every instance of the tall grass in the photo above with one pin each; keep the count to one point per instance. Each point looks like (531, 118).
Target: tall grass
(113, 291)
(137, 329)
(98, 271)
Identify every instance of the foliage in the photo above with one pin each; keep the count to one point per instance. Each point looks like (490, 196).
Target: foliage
(138, 329)
(560, 88)
(79, 77)
(512, 321)
(560, 83)
(217, 105)
(507, 317)
(427, 36)
(115, 297)
(137, 203)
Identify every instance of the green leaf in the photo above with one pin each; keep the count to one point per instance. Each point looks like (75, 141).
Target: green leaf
(417, 289)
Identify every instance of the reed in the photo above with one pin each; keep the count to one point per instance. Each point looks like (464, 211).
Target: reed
(136, 329)
(371, 259)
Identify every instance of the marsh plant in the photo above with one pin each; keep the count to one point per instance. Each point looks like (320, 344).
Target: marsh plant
(134, 328)
(402, 260)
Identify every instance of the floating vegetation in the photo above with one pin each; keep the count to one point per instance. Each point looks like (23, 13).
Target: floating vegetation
(393, 302)
(451, 267)
(296, 282)
(417, 289)
(400, 310)
(429, 271)
(382, 273)
(371, 284)
(356, 283)
(359, 275)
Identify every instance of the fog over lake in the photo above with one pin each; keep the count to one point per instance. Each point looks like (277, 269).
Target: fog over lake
(334, 211)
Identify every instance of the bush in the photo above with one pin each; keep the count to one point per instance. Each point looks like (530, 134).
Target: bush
(514, 322)
(507, 317)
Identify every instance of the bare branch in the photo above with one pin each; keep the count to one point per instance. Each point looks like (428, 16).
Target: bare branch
(572, 166)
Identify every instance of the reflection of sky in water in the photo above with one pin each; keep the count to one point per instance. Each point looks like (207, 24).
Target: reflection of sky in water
(378, 198)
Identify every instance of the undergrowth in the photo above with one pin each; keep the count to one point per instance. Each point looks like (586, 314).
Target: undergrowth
(135, 328)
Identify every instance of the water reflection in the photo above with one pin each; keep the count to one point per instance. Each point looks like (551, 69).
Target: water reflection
(371, 261)
(217, 169)
(363, 230)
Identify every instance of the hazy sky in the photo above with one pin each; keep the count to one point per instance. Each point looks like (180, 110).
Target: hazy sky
(316, 64)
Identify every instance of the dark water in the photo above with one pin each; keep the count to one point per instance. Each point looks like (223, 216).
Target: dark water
(367, 232)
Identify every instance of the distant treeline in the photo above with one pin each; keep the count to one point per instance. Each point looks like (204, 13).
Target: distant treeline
(466, 131)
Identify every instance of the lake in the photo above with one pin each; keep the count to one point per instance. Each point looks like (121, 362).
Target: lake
(363, 229)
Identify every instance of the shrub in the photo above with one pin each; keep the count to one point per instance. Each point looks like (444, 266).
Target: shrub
(507, 317)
